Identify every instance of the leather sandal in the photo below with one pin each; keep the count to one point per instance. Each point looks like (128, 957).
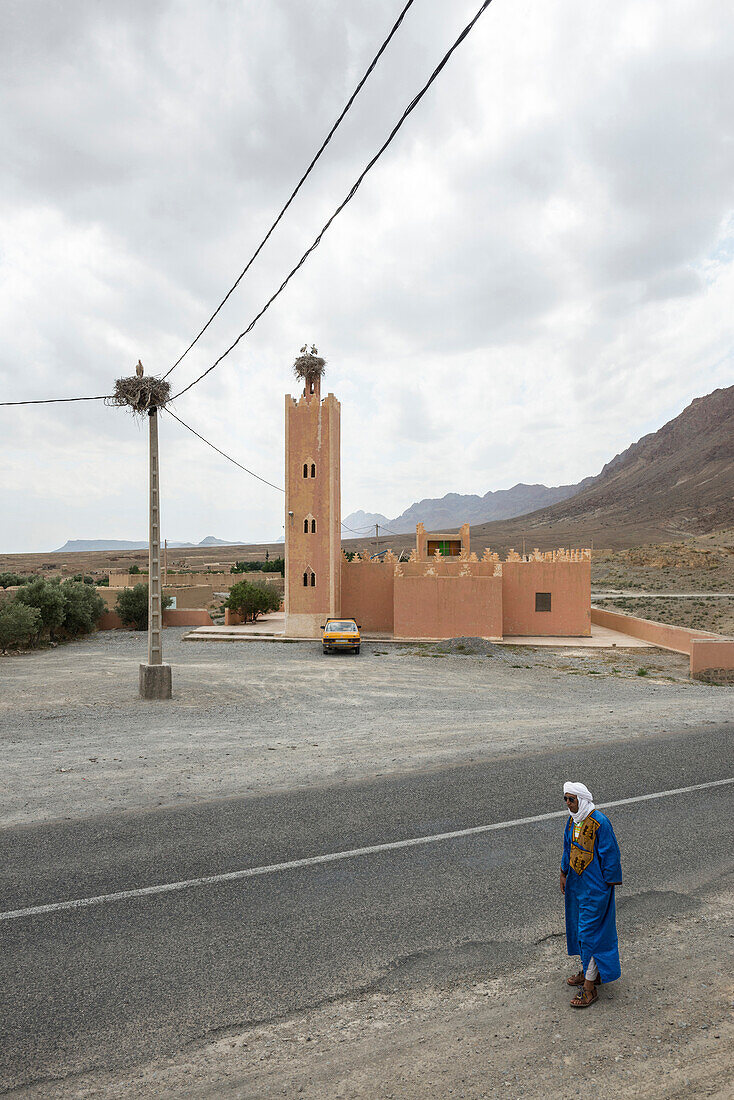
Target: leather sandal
(583, 999)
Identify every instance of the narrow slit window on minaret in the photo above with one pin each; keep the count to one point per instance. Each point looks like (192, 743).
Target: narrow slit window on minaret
(305, 469)
(305, 580)
(305, 526)
(313, 580)
(313, 526)
(313, 470)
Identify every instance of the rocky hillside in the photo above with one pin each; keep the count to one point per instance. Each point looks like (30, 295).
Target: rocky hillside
(676, 481)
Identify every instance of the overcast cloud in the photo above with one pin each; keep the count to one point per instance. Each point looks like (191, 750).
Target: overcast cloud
(539, 271)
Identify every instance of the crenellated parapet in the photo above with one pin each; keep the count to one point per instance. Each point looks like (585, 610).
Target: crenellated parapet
(562, 554)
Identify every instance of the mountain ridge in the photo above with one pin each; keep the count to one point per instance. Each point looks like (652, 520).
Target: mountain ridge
(453, 509)
(675, 482)
(81, 546)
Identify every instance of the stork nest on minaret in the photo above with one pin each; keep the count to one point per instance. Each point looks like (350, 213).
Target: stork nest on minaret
(141, 394)
(309, 364)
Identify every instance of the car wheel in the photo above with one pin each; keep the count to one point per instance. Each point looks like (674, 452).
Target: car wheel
(356, 649)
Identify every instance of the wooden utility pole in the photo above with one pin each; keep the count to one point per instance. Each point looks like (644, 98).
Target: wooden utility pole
(377, 539)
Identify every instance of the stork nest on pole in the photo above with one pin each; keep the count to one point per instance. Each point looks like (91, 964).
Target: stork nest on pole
(309, 365)
(141, 395)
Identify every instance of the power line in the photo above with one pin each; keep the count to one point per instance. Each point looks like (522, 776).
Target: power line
(300, 183)
(235, 462)
(355, 187)
(357, 533)
(55, 400)
(228, 457)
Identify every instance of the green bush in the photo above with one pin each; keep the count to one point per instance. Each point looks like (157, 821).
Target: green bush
(277, 565)
(19, 623)
(83, 608)
(132, 606)
(84, 578)
(48, 598)
(134, 569)
(251, 600)
(10, 580)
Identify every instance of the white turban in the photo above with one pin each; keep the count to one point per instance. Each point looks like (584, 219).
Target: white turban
(586, 800)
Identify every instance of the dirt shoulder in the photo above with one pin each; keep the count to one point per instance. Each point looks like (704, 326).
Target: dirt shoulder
(664, 1031)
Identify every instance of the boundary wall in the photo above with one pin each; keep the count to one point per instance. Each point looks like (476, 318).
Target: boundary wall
(194, 596)
(711, 655)
(185, 616)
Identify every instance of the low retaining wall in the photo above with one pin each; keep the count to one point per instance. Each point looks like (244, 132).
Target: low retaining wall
(182, 616)
(187, 616)
(195, 596)
(711, 656)
(713, 661)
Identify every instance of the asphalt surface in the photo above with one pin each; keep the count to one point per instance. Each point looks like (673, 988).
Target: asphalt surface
(116, 983)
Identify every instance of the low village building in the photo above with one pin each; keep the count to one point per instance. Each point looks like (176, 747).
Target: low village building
(442, 590)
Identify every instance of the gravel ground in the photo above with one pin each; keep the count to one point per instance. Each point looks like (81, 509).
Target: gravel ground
(256, 717)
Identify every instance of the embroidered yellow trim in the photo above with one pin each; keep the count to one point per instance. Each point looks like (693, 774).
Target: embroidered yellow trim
(582, 850)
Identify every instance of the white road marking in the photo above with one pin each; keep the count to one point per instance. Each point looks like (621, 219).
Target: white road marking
(331, 857)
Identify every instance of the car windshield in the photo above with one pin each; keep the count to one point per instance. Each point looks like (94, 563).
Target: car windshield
(344, 627)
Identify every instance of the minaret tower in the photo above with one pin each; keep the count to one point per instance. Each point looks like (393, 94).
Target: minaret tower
(312, 503)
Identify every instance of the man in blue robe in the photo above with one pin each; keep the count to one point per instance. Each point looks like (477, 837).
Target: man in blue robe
(590, 869)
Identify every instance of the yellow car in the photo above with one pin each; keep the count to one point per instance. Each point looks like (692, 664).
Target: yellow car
(341, 634)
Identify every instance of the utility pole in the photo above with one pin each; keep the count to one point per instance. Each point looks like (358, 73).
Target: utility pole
(155, 677)
(144, 395)
(165, 562)
(377, 539)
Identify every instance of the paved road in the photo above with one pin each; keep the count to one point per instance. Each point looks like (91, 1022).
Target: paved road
(114, 983)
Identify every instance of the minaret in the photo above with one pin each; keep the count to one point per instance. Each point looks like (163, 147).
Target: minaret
(312, 503)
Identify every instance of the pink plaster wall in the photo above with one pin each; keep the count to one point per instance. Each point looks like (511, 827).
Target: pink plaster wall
(709, 653)
(184, 616)
(110, 621)
(569, 583)
(448, 606)
(677, 638)
(187, 616)
(713, 657)
(368, 593)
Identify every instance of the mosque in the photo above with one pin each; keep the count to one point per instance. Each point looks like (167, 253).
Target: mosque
(442, 590)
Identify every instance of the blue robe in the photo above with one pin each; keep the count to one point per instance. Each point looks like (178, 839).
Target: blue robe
(591, 921)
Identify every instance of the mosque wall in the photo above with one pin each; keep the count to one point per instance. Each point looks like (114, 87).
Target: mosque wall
(445, 606)
(530, 586)
(367, 593)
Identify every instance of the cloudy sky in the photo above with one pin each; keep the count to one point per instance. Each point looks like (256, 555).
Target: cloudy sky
(539, 271)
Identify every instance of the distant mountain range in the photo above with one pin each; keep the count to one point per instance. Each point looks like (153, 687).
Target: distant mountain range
(79, 546)
(437, 513)
(674, 482)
